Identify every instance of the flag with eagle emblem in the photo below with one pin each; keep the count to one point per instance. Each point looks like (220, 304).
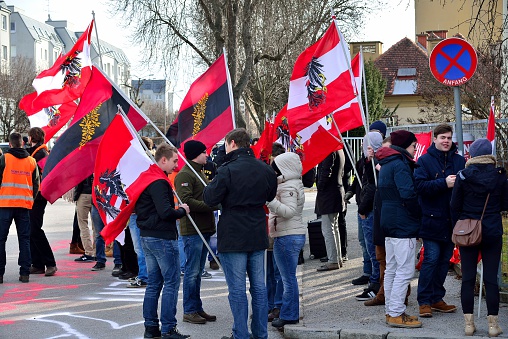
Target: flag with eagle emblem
(117, 183)
(72, 158)
(206, 113)
(321, 81)
(65, 81)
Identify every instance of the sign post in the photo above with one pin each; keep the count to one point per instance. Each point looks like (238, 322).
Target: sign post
(453, 62)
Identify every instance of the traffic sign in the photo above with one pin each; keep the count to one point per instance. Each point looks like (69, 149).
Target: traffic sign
(453, 61)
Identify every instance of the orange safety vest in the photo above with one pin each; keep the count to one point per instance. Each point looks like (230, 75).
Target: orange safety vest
(17, 188)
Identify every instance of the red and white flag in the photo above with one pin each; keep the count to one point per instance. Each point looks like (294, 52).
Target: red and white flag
(65, 81)
(321, 81)
(423, 142)
(117, 182)
(491, 126)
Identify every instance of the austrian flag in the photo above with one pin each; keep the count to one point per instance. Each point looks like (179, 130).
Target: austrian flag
(321, 81)
(118, 183)
(65, 81)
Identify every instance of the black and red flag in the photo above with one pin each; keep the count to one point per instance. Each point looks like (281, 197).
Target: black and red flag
(206, 113)
(72, 159)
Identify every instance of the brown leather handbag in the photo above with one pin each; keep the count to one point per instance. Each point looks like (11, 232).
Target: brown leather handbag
(468, 232)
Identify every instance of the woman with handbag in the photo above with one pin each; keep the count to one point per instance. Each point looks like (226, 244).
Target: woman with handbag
(481, 193)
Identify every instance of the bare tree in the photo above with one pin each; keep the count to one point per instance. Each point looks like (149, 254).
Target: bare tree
(15, 82)
(261, 37)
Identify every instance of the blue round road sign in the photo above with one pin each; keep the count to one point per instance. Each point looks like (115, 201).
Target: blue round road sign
(453, 61)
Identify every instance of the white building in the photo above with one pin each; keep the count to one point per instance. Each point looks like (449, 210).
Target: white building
(5, 39)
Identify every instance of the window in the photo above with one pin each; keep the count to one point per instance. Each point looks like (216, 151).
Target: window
(13, 51)
(45, 54)
(4, 22)
(4, 52)
(13, 27)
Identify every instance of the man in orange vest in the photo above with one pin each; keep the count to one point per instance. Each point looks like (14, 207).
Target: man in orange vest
(19, 184)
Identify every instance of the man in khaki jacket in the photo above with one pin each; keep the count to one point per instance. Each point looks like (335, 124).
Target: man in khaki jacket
(190, 190)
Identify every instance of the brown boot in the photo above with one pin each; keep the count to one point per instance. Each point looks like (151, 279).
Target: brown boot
(74, 249)
(443, 307)
(274, 314)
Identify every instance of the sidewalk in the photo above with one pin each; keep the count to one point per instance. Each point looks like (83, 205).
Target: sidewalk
(329, 308)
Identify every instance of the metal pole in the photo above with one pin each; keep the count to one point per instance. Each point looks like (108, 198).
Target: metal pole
(458, 120)
(174, 192)
(98, 42)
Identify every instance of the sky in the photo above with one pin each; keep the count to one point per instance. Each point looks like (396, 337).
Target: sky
(393, 22)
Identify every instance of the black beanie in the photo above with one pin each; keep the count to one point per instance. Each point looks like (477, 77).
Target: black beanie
(193, 148)
(402, 138)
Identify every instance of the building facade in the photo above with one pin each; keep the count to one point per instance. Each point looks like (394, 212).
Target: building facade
(5, 38)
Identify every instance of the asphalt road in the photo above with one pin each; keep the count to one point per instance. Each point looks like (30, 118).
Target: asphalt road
(79, 303)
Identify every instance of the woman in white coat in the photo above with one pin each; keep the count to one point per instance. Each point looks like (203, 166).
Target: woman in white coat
(288, 230)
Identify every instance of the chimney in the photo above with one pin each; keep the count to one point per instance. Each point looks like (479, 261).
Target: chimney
(442, 34)
(422, 39)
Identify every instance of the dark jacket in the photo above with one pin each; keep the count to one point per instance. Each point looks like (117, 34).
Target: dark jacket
(190, 190)
(470, 191)
(84, 187)
(433, 194)
(329, 183)
(38, 156)
(400, 213)
(156, 214)
(368, 191)
(356, 186)
(242, 186)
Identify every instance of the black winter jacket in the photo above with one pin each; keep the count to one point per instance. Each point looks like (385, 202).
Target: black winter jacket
(470, 191)
(329, 184)
(84, 187)
(400, 212)
(433, 194)
(242, 186)
(156, 214)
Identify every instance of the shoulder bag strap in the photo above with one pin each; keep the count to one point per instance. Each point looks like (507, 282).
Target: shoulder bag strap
(485, 206)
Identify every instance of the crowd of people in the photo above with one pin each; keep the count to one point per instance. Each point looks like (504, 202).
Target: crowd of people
(174, 226)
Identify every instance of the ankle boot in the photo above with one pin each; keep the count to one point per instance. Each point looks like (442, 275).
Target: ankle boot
(494, 329)
(74, 249)
(470, 328)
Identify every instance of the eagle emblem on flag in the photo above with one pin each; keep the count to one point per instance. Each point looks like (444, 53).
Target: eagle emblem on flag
(110, 186)
(316, 89)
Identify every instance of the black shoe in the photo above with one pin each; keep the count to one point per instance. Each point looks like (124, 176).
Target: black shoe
(1, 279)
(367, 294)
(24, 278)
(85, 258)
(324, 259)
(98, 266)
(117, 270)
(363, 280)
(152, 332)
(126, 275)
(278, 323)
(174, 334)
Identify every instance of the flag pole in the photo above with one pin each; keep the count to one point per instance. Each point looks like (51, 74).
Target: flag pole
(147, 119)
(230, 87)
(147, 151)
(98, 42)
(364, 80)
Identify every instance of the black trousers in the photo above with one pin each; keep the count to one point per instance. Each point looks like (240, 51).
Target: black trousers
(129, 256)
(76, 235)
(42, 254)
(490, 249)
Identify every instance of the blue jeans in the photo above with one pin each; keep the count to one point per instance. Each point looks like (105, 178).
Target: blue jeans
(136, 241)
(286, 250)
(367, 264)
(100, 245)
(213, 246)
(235, 264)
(274, 286)
(21, 217)
(436, 260)
(195, 251)
(368, 238)
(162, 265)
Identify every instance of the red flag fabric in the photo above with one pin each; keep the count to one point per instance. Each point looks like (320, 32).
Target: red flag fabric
(72, 158)
(491, 126)
(312, 144)
(52, 119)
(205, 114)
(423, 142)
(263, 148)
(321, 81)
(65, 81)
(117, 183)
